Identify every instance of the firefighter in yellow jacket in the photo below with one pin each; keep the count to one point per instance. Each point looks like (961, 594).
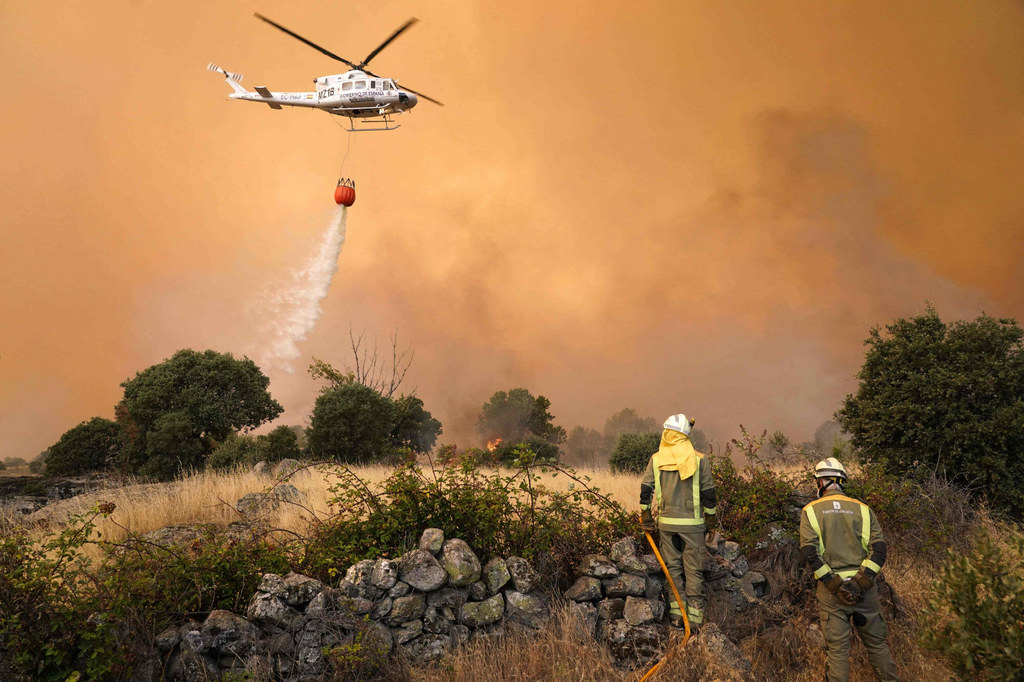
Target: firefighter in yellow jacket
(679, 479)
(841, 540)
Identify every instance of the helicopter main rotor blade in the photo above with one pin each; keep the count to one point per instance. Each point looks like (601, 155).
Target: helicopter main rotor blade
(419, 94)
(307, 42)
(387, 42)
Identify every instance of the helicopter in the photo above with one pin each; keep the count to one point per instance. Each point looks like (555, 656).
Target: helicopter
(358, 94)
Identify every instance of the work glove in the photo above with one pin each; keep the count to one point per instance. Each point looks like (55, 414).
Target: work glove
(864, 579)
(850, 592)
(647, 521)
(833, 582)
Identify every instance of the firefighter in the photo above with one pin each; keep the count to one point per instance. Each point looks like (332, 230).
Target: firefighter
(679, 478)
(841, 540)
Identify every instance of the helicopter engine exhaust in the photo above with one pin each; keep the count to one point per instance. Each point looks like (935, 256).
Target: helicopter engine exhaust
(293, 310)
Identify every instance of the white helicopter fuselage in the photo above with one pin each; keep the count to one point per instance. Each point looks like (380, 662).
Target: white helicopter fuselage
(352, 94)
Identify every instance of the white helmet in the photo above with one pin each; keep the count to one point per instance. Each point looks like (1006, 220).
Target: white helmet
(830, 468)
(678, 422)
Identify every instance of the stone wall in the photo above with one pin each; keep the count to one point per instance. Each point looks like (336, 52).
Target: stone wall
(621, 598)
(425, 602)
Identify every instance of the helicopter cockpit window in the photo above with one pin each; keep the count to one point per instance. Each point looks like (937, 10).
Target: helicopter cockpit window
(347, 85)
(360, 85)
(388, 85)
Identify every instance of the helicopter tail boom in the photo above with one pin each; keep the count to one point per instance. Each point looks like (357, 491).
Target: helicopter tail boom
(233, 79)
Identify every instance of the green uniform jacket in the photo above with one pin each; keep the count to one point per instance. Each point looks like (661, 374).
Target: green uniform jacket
(845, 535)
(679, 500)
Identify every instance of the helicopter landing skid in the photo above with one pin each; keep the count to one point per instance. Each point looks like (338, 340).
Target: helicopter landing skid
(384, 122)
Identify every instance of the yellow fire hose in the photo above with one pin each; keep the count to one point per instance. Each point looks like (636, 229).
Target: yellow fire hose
(679, 602)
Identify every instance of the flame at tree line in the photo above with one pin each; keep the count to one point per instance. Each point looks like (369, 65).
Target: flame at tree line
(492, 445)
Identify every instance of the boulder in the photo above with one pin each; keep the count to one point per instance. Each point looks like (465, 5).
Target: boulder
(436, 621)
(166, 640)
(268, 608)
(399, 589)
(477, 591)
(477, 614)
(226, 633)
(460, 562)
(584, 614)
(420, 570)
(429, 647)
(632, 564)
(408, 631)
(610, 609)
(447, 597)
(626, 547)
(285, 467)
(530, 610)
(496, 575)
(384, 574)
(584, 589)
(432, 540)
(598, 566)
(728, 660)
(261, 468)
(740, 567)
(651, 561)
(730, 551)
(181, 535)
(631, 643)
(459, 635)
(524, 578)
(300, 589)
(382, 608)
(654, 587)
(717, 567)
(639, 611)
(188, 666)
(407, 608)
(624, 585)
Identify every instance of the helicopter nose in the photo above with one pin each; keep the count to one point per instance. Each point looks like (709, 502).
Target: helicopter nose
(413, 100)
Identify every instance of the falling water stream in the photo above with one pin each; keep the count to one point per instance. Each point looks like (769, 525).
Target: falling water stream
(292, 310)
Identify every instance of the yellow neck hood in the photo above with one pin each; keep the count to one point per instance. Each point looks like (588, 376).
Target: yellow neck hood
(676, 454)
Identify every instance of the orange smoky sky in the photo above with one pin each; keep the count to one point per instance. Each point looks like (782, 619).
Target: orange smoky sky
(673, 206)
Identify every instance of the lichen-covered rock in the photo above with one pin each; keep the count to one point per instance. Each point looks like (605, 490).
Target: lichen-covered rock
(530, 610)
(726, 656)
(740, 567)
(309, 651)
(377, 640)
(384, 574)
(182, 535)
(449, 597)
(420, 570)
(585, 616)
(480, 613)
(460, 562)
(226, 633)
(625, 547)
(624, 585)
(261, 468)
(436, 621)
(190, 637)
(260, 504)
(408, 631)
(642, 611)
(399, 589)
(382, 608)
(268, 608)
(730, 551)
(285, 467)
(407, 608)
(631, 643)
(524, 578)
(598, 566)
(272, 583)
(429, 647)
(632, 564)
(654, 587)
(651, 561)
(717, 567)
(584, 589)
(610, 609)
(167, 640)
(432, 540)
(300, 589)
(477, 591)
(496, 575)
(188, 666)
(459, 635)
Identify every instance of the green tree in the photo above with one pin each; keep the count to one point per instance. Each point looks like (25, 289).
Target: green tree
(948, 397)
(90, 446)
(628, 421)
(584, 446)
(515, 415)
(352, 424)
(213, 392)
(15, 461)
(632, 452)
(414, 426)
(236, 449)
(281, 443)
(173, 446)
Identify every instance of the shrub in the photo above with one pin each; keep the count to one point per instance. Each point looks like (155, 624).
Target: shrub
(975, 615)
(281, 443)
(532, 449)
(632, 452)
(751, 498)
(499, 514)
(237, 449)
(351, 424)
(90, 446)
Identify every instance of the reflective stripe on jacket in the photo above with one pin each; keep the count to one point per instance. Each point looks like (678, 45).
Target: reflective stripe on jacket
(679, 500)
(842, 530)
